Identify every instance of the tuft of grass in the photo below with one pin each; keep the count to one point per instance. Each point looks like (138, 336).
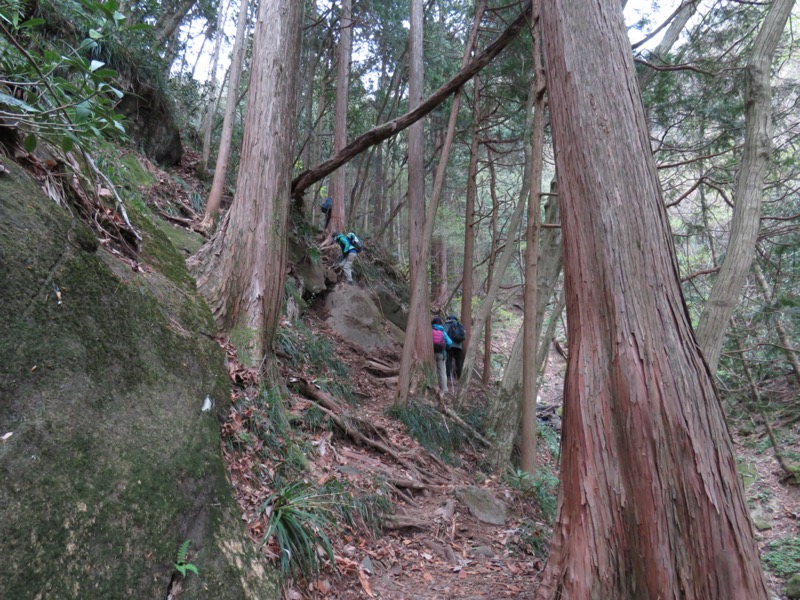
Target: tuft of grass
(300, 346)
(316, 420)
(431, 429)
(298, 518)
(782, 557)
(363, 511)
(272, 399)
(340, 389)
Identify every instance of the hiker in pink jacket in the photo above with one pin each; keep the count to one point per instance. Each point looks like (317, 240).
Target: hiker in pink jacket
(441, 342)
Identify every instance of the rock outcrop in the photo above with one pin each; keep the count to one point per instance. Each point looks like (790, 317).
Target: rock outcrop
(108, 461)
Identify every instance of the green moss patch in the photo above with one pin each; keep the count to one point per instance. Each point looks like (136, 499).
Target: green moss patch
(103, 373)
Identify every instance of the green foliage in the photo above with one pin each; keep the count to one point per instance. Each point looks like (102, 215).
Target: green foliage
(542, 487)
(549, 438)
(432, 429)
(782, 557)
(314, 254)
(301, 346)
(370, 509)
(180, 560)
(53, 90)
(314, 419)
(298, 518)
(303, 349)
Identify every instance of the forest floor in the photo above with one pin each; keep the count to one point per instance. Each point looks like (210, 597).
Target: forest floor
(432, 546)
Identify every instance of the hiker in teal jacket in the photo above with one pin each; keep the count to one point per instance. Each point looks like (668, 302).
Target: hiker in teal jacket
(349, 253)
(440, 345)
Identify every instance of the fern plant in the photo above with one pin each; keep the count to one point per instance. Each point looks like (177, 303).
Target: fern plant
(180, 560)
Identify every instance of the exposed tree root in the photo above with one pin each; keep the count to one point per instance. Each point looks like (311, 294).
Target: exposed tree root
(363, 432)
(391, 522)
(381, 370)
(449, 412)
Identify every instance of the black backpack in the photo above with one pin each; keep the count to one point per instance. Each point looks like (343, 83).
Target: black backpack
(457, 332)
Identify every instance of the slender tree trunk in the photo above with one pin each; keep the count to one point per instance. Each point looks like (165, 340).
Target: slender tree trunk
(339, 182)
(226, 137)
(309, 66)
(417, 347)
(439, 273)
(749, 187)
(379, 208)
(487, 326)
(211, 111)
(504, 415)
(532, 321)
(674, 30)
(469, 216)
(651, 506)
(241, 271)
(500, 270)
(316, 143)
(169, 21)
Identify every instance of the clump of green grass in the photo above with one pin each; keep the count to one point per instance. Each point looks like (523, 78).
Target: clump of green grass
(299, 518)
(432, 429)
(361, 511)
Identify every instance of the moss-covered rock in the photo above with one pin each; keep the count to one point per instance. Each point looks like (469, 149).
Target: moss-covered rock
(793, 587)
(111, 464)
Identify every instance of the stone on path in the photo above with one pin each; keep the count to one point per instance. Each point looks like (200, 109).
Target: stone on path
(483, 505)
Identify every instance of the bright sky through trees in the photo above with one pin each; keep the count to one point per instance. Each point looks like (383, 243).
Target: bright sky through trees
(642, 16)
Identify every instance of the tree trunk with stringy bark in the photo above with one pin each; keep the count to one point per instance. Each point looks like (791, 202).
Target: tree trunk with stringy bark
(241, 271)
(651, 506)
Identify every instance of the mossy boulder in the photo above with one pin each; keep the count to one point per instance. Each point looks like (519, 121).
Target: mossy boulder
(306, 266)
(793, 587)
(353, 312)
(111, 463)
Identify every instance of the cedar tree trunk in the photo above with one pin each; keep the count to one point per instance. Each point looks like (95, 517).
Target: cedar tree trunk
(651, 506)
(241, 270)
(339, 182)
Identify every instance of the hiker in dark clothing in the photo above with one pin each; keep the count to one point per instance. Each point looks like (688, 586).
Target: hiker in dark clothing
(327, 210)
(441, 342)
(455, 356)
(349, 253)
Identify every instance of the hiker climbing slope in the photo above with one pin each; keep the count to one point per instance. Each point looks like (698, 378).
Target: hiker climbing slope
(441, 342)
(351, 246)
(455, 357)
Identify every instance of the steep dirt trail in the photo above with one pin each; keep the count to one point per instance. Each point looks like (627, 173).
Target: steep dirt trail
(433, 547)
